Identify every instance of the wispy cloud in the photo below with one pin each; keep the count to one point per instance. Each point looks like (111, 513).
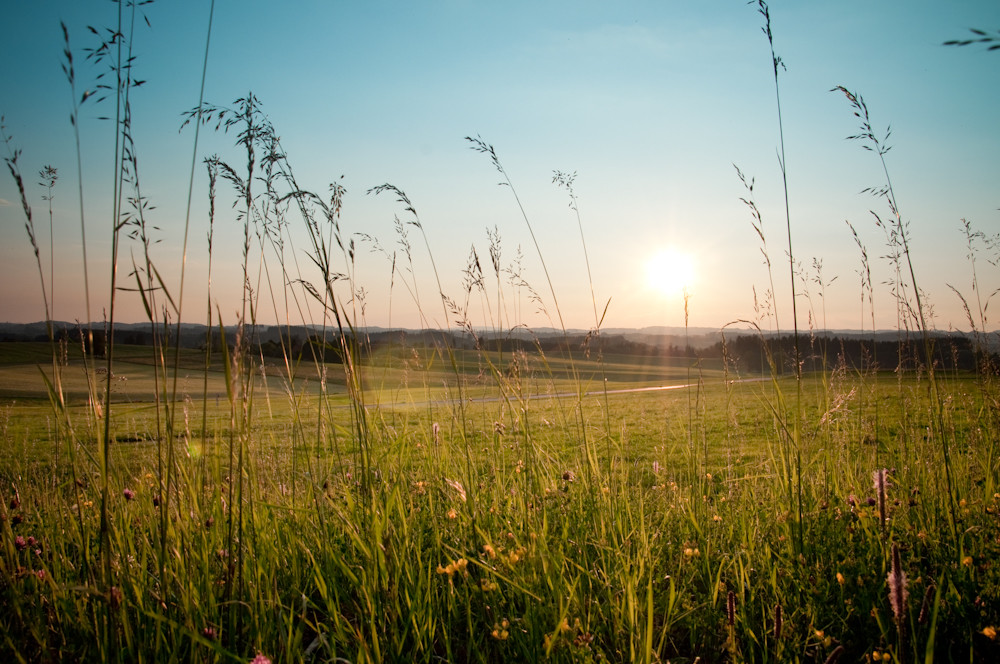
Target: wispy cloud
(4, 202)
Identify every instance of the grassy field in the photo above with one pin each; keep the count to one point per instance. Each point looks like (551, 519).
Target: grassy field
(634, 526)
(445, 501)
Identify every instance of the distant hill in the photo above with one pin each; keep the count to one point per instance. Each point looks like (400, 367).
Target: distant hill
(38, 329)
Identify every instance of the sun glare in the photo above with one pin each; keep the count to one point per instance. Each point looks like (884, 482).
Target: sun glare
(671, 272)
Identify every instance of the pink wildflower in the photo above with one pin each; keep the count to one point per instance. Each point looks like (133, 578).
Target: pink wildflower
(879, 479)
(898, 594)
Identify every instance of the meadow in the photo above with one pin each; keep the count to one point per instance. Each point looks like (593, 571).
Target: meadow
(633, 526)
(482, 501)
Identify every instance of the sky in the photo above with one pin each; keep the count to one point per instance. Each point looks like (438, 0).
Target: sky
(651, 104)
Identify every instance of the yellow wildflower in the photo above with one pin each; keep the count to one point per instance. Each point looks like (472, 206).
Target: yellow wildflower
(516, 555)
(840, 578)
(455, 567)
(990, 633)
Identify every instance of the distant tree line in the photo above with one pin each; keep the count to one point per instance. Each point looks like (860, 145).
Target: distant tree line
(749, 352)
(951, 352)
(745, 352)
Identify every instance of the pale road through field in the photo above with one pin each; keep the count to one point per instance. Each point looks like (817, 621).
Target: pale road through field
(566, 395)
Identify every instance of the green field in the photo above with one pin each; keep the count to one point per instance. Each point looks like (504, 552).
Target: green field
(473, 507)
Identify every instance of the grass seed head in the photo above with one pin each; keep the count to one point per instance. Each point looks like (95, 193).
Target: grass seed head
(925, 606)
(898, 594)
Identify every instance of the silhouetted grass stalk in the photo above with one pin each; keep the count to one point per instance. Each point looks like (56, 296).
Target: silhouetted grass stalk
(797, 424)
(479, 145)
(880, 148)
(567, 180)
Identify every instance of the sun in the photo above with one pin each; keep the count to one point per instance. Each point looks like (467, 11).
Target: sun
(671, 272)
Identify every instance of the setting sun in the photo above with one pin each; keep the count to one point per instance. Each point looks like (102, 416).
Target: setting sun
(670, 271)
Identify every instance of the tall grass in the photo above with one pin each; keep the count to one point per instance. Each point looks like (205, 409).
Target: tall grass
(900, 234)
(795, 441)
(444, 498)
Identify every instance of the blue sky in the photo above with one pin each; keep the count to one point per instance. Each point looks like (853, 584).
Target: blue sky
(651, 103)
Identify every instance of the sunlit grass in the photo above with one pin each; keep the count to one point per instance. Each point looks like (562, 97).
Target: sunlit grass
(543, 564)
